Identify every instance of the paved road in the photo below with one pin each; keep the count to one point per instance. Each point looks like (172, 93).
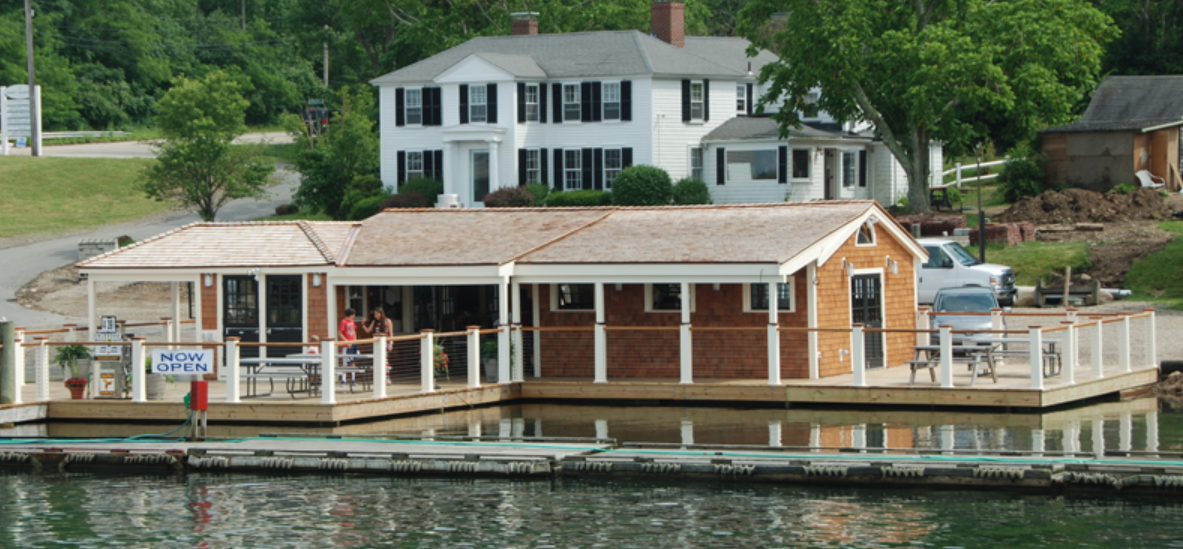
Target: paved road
(23, 263)
(133, 149)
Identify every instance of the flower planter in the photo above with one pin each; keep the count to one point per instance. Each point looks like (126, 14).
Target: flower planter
(77, 390)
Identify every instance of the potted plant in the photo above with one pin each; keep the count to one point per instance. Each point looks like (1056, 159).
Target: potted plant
(440, 359)
(153, 383)
(67, 357)
(489, 359)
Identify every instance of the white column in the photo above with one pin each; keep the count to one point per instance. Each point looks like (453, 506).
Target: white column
(1151, 340)
(197, 291)
(494, 181)
(946, 356)
(811, 317)
(232, 377)
(1123, 343)
(1035, 335)
(427, 361)
(1037, 441)
(92, 323)
(601, 428)
(537, 339)
(503, 337)
(687, 432)
(1098, 350)
(168, 328)
(18, 356)
(175, 326)
(601, 338)
(858, 363)
(328, 372)
(331, 309)
(42, 371)
(774, 434)
(1068, 352)
(1152, 432)
(685, 342)
(518, 374)
(474, 356)
(1098, 437)
(262, 279)
(380, 368)
(138, 375)
(1125, 433)
(773, 336)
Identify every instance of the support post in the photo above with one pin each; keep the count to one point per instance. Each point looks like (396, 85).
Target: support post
(168, 328)
(811, 319)
(232, 371)
(601, 338)
(1035, 336)
(773, 336)
(1098, 350)
(1123, 343)
(996, 319)
(328, 372)
(922, 323)
(857, 361)
(686, 343)
(519, 368)
(18, 361)
(1072, 313)
(174, 327)
(946, 356)
(1068, 355)
(537, 339)
(503, 337)
(380, 368)
(10, 390)
(43, 368)
(139, 381)
(1151, 339)
(474, 356)
(427, 361)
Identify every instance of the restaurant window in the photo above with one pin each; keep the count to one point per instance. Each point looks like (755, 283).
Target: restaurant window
(574, 297)
(758, 297)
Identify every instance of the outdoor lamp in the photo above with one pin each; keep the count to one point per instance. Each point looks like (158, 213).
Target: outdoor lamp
(209, 280)
(316, 280)
(850, 269)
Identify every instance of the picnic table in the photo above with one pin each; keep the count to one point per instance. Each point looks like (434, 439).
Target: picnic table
(975, 355)
(1053, 362)
(300, 372)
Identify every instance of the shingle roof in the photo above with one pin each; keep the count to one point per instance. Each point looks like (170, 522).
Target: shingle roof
(518, 65)
(761, 127)
(1131, 103)
(729, 52)
(574, 55)
(258, 244)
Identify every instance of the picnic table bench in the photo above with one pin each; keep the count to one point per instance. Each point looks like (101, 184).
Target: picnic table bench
(975, 356)
(1053, 362)
(301, 373)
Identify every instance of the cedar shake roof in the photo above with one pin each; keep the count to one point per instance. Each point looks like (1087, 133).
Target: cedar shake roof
(257, 244)
(1126, 103)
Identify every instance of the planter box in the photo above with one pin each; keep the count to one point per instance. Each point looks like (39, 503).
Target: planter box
(491, 370)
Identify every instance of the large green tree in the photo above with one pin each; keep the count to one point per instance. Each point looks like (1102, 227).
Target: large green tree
(339, 166)
(197, 165)
(926, 71)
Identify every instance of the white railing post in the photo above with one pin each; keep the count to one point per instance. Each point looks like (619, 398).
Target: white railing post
(1068, 353)
(503, 337)
(1035, 335)
(1151, 339)
(139, 381)
(1098, 350)
(1072, 313)
(946, 356)
(379, 368)
(232, 370)
(71, 332)
(519, 366)
(773, 335)
(427, 362)
(958, 168)
(685, 343)
(923, 338)
(168, 328)
(474, 356)
(996, 319)
(601, 337)
(857, 363)
(328, 371)
(42, 369)
(18, 356)
(1123, 343)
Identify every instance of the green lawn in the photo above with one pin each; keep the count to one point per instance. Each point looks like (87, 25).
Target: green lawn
(300, 215)
(1034, 260)
(1156, 277)
(50, 195)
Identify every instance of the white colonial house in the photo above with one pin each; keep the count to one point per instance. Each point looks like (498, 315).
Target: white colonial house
(571, 110)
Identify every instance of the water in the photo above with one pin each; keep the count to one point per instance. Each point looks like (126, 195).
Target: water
(274, 511)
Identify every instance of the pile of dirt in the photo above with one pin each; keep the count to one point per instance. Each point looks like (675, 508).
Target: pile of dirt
(1079, 205)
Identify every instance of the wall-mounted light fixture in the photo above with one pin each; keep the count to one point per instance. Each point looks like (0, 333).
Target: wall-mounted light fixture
(715, 286)
(895, 267)
(316, 280)
(619, 287)
(850, 269)
(209, 280)
(255, 273)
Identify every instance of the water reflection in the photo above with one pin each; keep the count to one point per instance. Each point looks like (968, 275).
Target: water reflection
(1132, 425)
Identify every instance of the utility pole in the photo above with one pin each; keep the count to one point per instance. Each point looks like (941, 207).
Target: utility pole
(34, 106)
(981, 212)
(326, 67)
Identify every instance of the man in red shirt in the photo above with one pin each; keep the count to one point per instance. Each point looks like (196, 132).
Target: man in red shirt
(347, 331)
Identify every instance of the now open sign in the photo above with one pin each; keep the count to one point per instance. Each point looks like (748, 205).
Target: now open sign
(195, 361)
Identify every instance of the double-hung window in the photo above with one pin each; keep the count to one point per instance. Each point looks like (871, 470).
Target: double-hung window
(758, 297)
(800, 163)
(696, 163)
(571, 105)
(572, 170)
(696, 102)
(533, 166)
(849, 168)
(413, 107)
(414, 164)
(531, 102)
(611, 100)
(613, 163)
(478, 110)
(741, 98)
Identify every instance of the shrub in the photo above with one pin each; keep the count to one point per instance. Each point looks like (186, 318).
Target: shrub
(406, 199)
(366, 207)
(691, 191)
(954, 195)
(124, 241)
(1022, 175)
(429, 188)
(642, 186)
(579, 198)
(509, 197)
(539, 191)
(286, 209)
(1125, 188)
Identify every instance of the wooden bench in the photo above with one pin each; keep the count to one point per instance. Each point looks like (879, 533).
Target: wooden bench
(1088, 294)
(973, 355)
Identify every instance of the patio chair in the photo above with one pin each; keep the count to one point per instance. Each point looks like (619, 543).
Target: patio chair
(1150, 180)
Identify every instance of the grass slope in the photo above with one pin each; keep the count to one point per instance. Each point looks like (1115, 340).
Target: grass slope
(1156, 277)
(1034, 260)
(50, 195)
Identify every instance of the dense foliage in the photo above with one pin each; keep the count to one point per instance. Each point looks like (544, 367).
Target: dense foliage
(539, 191)
(338, 166)
(429, 188)
(691, 191)
(406, 199)
(642, 186)
(509, 197)
(560, 199)
(1022, 175)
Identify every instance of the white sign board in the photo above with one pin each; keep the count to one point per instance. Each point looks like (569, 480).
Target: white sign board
(188, 361)
(107, 352)
(16, 113)
(108, 324)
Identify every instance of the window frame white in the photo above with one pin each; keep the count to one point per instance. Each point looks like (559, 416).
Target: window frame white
(554, 300)
(701, 168)
(575, 103)
(604, 102)
(417, 93)
(411, 164)
(534, 159)
(808, 164)
(849, 169)
(483, 104)
(792, 308)
(698, 86)
(577, 170)
(533, 110)
(649, 299)
(741, 97)
(613, 171)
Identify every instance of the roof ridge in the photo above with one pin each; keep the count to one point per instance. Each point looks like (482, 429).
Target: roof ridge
(643, 52)
(873, 205)
(347, 245)
(580, 228)
(140, 243)
(316, 241)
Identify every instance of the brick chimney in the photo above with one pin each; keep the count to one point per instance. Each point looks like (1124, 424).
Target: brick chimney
(524, 23)
(668, 22)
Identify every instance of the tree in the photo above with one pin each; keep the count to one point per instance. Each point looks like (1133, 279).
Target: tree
(935, 70)
(339, 168)
(196, 163)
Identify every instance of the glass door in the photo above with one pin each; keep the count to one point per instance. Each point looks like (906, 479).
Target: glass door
(479, 168)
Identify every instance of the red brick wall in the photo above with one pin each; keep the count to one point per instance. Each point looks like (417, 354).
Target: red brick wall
(667, 22)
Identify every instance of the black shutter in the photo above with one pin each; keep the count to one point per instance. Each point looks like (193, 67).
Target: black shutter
(720, 172)
(685, 100)
(749, 103)
(862, 168)
(585, 166)
(585, 101)
(522, 166)
(782, 164)
(626, 100)
(558, 182)
(437, 107)
(463, 103)
(598, 167)
(491, 103)
(542, 103)
(521, 102)
(439, 167)
(626, 157)
(542, 167)
(402, 168)
(558, 99)
(399, 105)
(706, 100)
(428, 165)
(597, 102)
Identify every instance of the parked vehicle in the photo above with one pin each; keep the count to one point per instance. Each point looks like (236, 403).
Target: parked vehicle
(950, 265)
(950, 304)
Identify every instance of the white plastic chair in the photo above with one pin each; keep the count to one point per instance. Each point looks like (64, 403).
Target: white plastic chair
(1150, 180)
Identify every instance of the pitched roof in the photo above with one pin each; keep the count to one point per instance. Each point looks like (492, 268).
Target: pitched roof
(762, 127)
(247, 244)
(1124, 103)
(573, 55)
(729, 51)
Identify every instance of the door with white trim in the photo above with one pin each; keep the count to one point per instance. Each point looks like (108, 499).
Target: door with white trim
(866, 306)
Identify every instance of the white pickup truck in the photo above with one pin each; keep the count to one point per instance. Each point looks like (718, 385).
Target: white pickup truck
(950, 265)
